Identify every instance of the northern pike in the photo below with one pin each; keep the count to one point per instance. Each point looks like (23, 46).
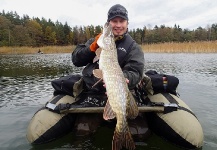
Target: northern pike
(120, 104)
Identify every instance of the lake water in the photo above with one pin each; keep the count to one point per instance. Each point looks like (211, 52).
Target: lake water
(26, 87)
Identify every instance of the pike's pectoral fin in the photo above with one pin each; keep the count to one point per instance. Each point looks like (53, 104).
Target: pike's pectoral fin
(98, 52)
(97, 73)
(108, 112)
(132, 109)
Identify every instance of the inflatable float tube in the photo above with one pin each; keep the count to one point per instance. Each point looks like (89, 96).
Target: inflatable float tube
(180, 127)
(46, 126)
(165, 118)
(59, 115)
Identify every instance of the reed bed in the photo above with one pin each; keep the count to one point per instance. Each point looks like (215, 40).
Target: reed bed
(186, 47)
(34, 50)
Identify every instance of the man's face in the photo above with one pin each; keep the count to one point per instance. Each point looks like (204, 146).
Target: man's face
(119, 26)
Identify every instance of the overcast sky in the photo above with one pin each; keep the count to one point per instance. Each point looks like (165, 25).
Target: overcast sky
(185, 13)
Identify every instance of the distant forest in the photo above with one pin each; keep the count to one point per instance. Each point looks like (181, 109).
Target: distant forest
(26, 31)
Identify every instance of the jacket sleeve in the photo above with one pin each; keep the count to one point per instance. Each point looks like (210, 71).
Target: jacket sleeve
(134, 66)
(82, 55)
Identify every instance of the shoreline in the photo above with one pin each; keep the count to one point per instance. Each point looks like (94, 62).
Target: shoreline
(172, 47)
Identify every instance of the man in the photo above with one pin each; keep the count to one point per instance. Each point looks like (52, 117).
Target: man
(130, 58)
(130, 55)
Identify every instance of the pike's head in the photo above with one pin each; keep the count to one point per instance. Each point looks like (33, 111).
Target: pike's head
(107, 30)
(106, 37)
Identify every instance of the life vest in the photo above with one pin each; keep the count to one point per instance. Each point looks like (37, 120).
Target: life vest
(124, 46)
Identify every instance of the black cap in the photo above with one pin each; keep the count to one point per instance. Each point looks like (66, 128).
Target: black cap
(117, 11)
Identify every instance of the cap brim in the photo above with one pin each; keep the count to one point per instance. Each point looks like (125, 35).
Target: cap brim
(118, 16)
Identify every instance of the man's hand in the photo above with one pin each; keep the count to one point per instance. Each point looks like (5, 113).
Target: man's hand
(128, 81)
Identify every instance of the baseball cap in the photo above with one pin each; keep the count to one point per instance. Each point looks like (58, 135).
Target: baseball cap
(117, 11)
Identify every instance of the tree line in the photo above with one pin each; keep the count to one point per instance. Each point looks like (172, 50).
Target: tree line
(26, 31)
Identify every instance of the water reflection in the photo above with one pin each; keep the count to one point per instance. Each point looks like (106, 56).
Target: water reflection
(25, 79)
(188, 67)
(36, 65)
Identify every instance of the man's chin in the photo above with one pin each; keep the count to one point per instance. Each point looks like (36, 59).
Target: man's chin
(118, 34)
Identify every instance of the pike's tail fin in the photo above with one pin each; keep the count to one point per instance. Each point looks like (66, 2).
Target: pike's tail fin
(123, 139)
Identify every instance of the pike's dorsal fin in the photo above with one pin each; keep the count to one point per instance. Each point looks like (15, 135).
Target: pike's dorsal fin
(97, 73)
(132, 109)
(108, 112)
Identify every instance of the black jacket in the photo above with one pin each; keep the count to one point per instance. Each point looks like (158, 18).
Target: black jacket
(131, 61)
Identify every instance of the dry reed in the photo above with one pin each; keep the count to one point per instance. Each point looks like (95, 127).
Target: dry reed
(34, 50)
(186, 47)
